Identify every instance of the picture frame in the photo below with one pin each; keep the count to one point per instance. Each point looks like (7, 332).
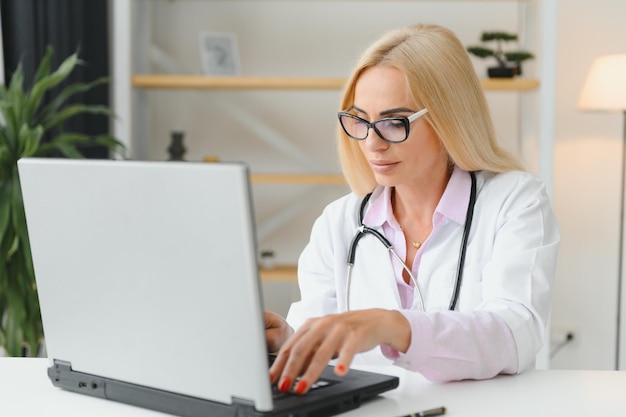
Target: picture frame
(219, 54)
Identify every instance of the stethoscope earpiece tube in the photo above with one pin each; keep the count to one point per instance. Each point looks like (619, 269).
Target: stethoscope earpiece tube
(469, 216)
(360, 232)
(353, 245)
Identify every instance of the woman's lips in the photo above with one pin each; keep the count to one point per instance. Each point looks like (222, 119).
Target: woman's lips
(382, 166)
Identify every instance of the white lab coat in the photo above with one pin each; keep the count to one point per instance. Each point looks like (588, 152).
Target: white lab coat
(509, 266)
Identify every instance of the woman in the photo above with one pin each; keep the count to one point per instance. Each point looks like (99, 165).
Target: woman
(415, 131)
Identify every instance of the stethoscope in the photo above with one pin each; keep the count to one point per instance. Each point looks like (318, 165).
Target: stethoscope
(363, 230)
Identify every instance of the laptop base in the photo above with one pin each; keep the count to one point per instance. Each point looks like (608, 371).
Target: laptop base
(63, 376)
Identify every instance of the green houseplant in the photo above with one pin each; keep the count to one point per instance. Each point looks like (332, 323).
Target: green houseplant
(509, 63)
(24, 119)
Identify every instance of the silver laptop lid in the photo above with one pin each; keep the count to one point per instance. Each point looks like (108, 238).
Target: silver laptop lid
(147, 273)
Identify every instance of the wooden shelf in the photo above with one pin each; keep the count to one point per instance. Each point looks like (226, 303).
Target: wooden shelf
(280, 273)
(161, 81)
(514, 84)
(235, 83)
(325, 179)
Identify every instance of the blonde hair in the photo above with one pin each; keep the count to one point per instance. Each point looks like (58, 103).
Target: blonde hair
(442, 79)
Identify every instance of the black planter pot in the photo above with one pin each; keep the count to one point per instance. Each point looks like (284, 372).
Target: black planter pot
(502, 72)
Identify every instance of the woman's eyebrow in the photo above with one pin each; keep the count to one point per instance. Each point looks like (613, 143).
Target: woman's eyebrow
(396, 110)
(384, 112)
(353, 107)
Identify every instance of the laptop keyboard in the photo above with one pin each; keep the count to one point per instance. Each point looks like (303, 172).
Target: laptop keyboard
(276, 394)
(321, 383)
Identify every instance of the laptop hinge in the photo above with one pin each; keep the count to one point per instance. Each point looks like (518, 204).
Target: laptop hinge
(243, 407)
(62, 376)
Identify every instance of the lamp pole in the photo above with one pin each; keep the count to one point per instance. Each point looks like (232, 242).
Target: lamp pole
(621, 248)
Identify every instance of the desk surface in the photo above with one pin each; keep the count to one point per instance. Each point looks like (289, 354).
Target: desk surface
(26, 391)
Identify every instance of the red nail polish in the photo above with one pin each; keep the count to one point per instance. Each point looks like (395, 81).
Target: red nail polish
(284, 385)
(301, 387)
(341, 368)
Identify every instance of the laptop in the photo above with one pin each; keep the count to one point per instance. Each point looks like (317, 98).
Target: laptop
(149, 289)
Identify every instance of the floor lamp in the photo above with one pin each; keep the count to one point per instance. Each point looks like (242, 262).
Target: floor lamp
(605, 91)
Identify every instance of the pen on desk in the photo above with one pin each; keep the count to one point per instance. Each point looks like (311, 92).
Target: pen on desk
(428, 413)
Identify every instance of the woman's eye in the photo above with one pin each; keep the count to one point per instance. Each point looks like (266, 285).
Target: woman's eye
(393, 124)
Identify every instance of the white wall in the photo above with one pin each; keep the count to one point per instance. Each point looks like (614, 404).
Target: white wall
(587, 188)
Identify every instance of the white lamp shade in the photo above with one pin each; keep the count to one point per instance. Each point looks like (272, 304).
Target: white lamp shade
(605, 86)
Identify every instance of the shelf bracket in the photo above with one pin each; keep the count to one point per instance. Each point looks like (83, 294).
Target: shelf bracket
(268, 135)
(289, 212)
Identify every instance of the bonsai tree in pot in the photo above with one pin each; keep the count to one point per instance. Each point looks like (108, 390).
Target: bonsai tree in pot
(24, 118)
(509, 63)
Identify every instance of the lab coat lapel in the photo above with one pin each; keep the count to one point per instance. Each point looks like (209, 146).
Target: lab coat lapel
(373, 283)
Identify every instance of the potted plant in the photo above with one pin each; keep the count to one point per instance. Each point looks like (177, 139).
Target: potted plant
(509, 63)
(24, 118)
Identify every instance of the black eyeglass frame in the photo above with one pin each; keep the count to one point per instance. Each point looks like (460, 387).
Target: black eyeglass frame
(405, 120)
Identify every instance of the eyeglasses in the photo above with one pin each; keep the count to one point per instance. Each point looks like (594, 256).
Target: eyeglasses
(390, 129)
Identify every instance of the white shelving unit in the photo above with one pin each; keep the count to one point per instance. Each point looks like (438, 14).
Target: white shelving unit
(132, 27)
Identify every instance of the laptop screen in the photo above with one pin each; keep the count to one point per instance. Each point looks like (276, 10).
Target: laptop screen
(144, 270)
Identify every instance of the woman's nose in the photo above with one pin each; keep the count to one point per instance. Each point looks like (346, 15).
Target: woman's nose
(373, 142)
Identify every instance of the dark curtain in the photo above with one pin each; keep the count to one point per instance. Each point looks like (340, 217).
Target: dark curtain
(29, 26)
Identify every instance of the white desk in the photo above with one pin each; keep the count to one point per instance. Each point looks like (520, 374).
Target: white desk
(25, 391)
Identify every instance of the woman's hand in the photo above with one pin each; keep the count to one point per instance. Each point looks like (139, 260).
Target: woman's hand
(277, 331)
(307, 353)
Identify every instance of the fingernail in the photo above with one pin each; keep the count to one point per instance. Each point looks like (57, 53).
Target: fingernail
(341, 368)
(301, 387)
(284, 386)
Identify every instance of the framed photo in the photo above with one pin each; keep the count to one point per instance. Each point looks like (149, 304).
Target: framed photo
(218, 53)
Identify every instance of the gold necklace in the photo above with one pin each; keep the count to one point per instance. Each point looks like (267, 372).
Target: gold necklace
(416, 244)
